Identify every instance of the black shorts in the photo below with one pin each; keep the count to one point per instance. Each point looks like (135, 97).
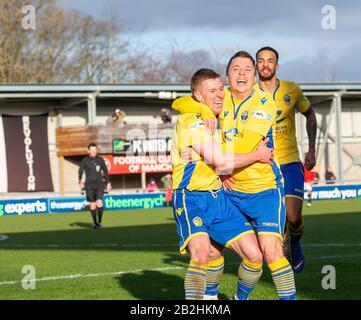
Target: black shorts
(94, 193)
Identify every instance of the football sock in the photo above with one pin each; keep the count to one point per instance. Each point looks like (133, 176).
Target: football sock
(195, 281)
(287, 246)
(283, 278)
(94, 215)
(296, 233)
(214, 274)
(248, 275)
(100, 214)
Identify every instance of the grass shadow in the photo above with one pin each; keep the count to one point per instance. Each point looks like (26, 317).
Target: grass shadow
(82, 225)
(153, 285)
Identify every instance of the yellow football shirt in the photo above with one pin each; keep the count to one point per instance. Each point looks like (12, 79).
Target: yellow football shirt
(288, 97)
(195, 175)
(256, 113)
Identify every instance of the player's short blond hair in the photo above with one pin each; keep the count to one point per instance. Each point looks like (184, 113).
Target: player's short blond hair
(201, 75)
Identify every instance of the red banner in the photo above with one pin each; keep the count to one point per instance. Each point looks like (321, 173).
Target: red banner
(134, 165)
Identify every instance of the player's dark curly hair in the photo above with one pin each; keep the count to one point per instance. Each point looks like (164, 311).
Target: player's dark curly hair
(268, 49)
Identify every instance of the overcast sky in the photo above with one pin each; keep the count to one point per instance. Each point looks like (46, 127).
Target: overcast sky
(308, 52)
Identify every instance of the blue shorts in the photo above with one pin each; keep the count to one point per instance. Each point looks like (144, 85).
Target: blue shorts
(293, 176)
(265, 210)
(208, 213)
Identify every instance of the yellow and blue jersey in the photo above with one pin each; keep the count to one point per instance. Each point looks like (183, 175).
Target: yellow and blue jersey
(195, 175)
(288, 97)
(199, 203)
(256, 113)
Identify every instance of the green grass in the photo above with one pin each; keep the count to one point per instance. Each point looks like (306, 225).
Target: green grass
(142, 245)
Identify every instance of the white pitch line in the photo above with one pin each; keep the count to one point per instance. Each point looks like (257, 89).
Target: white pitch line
(335, 256)
(75, 276)
(3, 237)
(92, 245)
(140, 245)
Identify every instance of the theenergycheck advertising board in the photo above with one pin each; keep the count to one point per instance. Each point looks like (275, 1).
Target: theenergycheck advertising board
(76, 204)
(141, 201)
(335, 192)
(59, 205)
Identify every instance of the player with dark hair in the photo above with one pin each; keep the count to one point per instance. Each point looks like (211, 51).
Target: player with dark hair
(96, 172)
(289, 98)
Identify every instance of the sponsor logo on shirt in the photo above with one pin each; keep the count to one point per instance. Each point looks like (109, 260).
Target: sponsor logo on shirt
(269, 224)
(197, 221)
(230, 134)
(196, 125)
(260, 114)
(244, 116)
(287, 98)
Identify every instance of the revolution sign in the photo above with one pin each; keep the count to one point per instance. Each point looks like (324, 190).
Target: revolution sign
(27, 153)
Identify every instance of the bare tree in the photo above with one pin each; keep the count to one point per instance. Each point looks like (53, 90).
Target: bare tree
(326, 67)
(65, 47)
(70, 47)
(176, 64)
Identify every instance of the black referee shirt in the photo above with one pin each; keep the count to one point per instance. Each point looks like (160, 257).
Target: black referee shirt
(95, 171)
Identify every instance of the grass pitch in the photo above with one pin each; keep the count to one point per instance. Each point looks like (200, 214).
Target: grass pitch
(135, 256)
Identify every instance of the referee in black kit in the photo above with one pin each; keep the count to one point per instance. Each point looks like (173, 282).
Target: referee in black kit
(96, 173)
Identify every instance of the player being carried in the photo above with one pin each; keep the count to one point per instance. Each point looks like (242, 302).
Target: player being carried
(248, 116)
(201, 210)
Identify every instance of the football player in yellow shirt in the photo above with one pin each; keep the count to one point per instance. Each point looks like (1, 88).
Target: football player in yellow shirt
(289, 98)
(248, 116)
(201, 210)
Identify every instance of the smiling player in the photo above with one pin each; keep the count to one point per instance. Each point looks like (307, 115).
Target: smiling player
(201, 209)
(247, 117)
(289, 98)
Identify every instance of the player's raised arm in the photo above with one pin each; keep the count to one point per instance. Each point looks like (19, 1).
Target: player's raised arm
(247, 143)
(188, 104)
(211, 151)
